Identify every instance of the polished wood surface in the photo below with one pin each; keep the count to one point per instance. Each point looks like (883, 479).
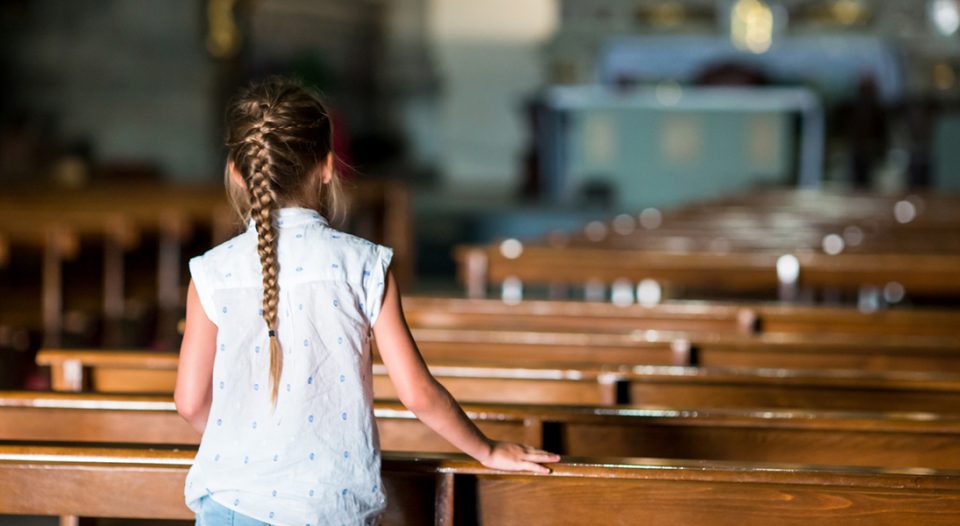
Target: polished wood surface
(805, 436)
(732, 247)
(149, 372)
(428, 312)
(116, 482)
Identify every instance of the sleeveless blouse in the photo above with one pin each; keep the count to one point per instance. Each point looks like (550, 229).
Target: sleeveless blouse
(313, 459)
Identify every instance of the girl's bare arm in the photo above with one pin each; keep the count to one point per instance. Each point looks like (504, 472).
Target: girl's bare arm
(430, 401)
(194, 393)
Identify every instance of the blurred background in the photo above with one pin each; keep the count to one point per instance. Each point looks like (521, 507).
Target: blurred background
(462, 121)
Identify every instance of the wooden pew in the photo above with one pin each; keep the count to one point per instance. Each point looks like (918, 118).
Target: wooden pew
(117, 215)
(822, 437)
(647, 347)
(843, 243)
(733, 272)
(147, 372)
(449, 490)
(696, 316)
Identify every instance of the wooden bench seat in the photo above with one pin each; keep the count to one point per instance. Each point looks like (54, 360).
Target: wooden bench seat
(820, 437)
(150, 372)
(656, 347)
(751, 272)
(449, 490)
(426, 312)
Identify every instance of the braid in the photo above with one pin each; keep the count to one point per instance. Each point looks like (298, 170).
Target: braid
(263, 202)
(278, 133)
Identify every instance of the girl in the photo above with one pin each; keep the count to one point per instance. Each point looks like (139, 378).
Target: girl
(275, 363)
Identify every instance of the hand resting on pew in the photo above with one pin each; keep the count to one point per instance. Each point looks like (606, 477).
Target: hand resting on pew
(420, 392)
(416, 388)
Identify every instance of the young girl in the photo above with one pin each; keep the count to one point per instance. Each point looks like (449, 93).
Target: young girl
(275, 367)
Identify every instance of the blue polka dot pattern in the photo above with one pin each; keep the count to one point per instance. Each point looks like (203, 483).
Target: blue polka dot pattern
(298, 427)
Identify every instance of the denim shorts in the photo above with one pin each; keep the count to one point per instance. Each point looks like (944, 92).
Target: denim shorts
(212, 513)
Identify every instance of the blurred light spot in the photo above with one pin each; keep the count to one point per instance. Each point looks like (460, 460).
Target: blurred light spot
(848, 12)
(944, 76)
(832, 244)
(893, 292)
(788, 268)
(904, 211)
(594, 290)
(651, 218)
(595, 231)
(649, 293)
(668, 93)
(853, 235)
(511, 248)
(751, 26)
(512, 290)
(624, 224)
(621, 293)
(869, 299)
(944, 15)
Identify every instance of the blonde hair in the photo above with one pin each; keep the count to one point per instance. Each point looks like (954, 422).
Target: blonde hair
(280, 138)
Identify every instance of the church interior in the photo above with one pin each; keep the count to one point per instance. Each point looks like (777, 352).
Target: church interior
(708, 251)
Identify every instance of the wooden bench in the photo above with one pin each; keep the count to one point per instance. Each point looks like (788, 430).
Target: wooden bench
(149, 372)
(656, 347)
(578, 316)
(735, 248)
(116, 216)
(821, 437)
(448, 490)
(734, 272)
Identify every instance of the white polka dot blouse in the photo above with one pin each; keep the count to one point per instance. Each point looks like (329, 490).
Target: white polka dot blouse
(314, 459)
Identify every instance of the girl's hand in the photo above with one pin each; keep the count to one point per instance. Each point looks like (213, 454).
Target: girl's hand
(508, 456)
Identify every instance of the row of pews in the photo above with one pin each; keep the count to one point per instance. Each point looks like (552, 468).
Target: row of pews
(683, 412)
(770, 244)
(94, 260)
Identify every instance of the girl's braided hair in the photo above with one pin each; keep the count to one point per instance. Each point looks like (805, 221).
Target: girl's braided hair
(279, 137)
